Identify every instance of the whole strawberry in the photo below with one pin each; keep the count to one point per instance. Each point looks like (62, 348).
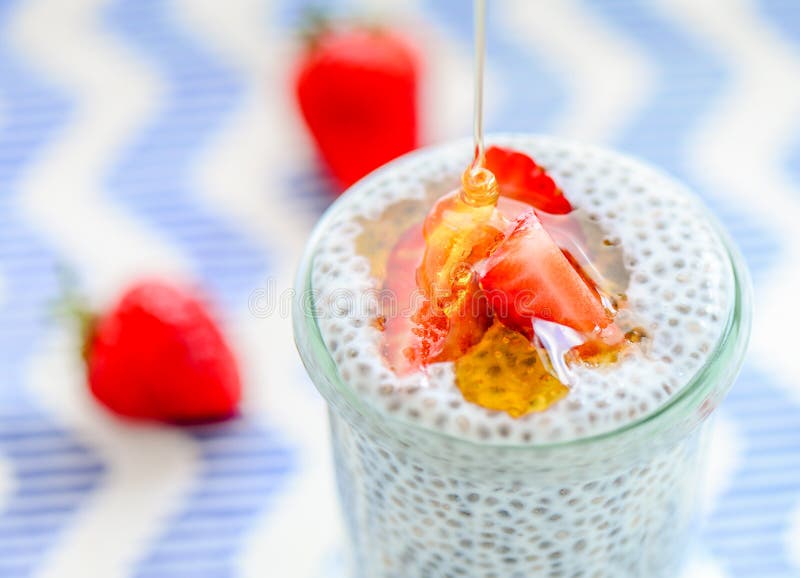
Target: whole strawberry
(357, 91)
(157, 355)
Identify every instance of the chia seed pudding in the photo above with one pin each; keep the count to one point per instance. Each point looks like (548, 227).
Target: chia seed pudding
(603, 482)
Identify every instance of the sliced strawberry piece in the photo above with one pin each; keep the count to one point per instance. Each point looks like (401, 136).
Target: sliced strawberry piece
(450, 331)
(529, 277)
(457, 236)
(417, 331)
(401, 346)
(520, 178)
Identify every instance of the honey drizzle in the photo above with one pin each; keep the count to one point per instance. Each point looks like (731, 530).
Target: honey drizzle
(478, 185)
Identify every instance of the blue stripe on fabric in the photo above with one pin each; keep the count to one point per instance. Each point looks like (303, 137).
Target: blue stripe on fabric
(689, 83)
(216, 515)
(310, 190)
(748, 529)
(45, 498)
(293, 14)
(785, 16)
(32, 518)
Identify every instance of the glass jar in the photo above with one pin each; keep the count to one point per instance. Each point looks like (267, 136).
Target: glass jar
(422, 503)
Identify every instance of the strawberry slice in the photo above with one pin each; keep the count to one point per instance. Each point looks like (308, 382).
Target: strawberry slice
(529, 277)
(450, 331)
(418, 331)
(520, 178)
(402, 347)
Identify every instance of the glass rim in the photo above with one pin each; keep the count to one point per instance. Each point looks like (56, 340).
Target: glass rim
(729, 349)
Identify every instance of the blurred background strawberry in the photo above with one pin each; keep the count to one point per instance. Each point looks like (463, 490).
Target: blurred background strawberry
(156, 354)
(357, 87)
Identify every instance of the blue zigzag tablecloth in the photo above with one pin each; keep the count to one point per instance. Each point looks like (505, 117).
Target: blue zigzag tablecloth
(159, 137)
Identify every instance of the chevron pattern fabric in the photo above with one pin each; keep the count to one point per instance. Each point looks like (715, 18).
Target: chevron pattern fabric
(160, 137)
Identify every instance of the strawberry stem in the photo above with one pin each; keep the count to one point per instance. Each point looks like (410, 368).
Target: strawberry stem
(315, 22)
(72, 304)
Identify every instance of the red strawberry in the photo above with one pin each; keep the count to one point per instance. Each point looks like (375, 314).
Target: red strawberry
(401, 346)
(529, 277)
(158, 355)
(417, 333)
(520, 178)
(357, 90)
